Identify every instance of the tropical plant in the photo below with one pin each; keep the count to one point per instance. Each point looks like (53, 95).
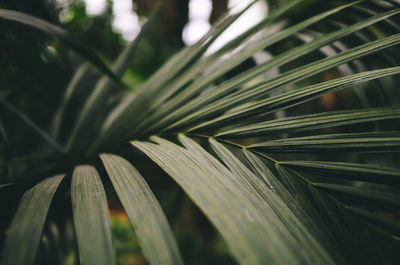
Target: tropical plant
(292, 158)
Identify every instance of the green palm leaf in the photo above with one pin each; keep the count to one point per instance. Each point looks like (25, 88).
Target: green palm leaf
(91, 219)
(350, 142)
(293, 98)
(26, 228)
(143, 211)
(232, 84)
(352, 170)
(312, 122)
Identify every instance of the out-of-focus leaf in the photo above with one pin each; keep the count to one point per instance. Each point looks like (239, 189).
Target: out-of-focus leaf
(23, 235)
(32, 126)
(58, 32)
(164, 84)
(3, 132)
(101, 92)
(69, 91)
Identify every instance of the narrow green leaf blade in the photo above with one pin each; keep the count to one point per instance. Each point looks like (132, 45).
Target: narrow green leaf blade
(365, 172)
(91, 218)
(69, 91)
(376, 217)
(349, 142)
(6, 185)
(312, 122)
(23, 236)
(183, 110)
(385, 197)
(143, 210)
(32, 125)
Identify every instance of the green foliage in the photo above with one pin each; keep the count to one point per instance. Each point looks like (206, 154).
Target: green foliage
(27, 225)
(143, 211)
(293, 160)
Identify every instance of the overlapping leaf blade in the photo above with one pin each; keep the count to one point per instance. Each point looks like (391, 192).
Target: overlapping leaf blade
(32, 125)
(178, 71)
(26, 227)
(230, 205)
(201, 83)
(295, 97)
(69, 91)
(312, 122)
(305, 238)
(103, 87)
(193, 108)
(350, 142)
(91, 218)
(143, 210)
(304, 219)
(361, 248)
(366, 172)
(380, 196)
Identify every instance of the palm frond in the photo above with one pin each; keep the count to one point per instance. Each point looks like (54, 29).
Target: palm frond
(26, 227)
(91, 218)
(143, 210)
(230, 205)
(284, 177)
